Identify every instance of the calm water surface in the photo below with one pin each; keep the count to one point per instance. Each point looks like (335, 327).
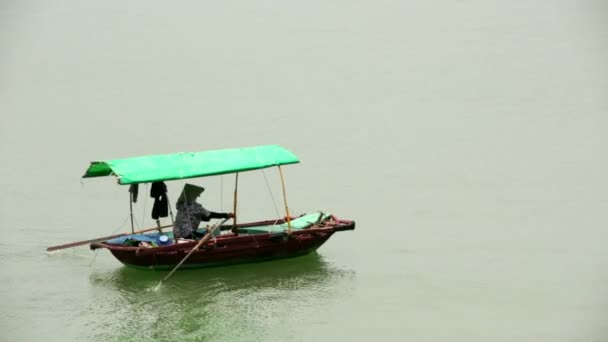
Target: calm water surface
(467, 139)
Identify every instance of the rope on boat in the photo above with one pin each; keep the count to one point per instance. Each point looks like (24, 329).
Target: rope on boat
(94, 258)
(274, 202)
(124, 223)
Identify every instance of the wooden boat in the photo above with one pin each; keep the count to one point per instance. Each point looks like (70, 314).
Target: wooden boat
(224, 244)
(231, 248)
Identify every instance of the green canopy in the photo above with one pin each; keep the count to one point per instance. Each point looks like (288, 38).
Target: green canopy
(191, 164)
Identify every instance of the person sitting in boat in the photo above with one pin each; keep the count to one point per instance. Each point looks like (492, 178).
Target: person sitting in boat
(190, 213)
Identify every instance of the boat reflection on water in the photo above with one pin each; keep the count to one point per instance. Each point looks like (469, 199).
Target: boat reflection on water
(205, 303)
(310, 270)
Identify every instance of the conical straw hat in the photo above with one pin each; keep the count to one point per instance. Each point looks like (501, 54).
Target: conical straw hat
(190, 193)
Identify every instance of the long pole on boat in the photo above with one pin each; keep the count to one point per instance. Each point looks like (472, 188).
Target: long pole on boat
(234, 202)
(285, 200)
(103, 238)
(204, 240)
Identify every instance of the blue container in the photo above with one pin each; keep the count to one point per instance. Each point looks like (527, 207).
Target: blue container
(163, 240)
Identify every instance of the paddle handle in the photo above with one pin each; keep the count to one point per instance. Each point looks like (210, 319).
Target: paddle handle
(198, 245)
(84, 242)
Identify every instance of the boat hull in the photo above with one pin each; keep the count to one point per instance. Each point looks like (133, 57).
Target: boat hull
(226, 249)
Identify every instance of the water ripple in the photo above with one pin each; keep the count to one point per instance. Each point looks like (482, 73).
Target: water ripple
(240, 301)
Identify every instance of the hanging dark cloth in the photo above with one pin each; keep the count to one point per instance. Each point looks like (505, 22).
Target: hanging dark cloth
(134, 190)
(158, 191)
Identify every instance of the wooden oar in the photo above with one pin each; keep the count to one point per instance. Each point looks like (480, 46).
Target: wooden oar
(198, 245)
(80, 243)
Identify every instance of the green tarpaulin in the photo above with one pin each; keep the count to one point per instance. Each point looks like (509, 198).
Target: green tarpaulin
(191, 164)
(302, 222)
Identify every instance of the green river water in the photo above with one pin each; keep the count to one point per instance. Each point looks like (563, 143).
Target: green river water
(467, 139)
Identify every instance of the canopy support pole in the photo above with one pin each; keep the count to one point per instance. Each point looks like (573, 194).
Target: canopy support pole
(235, 230)
(131, 211)
(285, 200)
